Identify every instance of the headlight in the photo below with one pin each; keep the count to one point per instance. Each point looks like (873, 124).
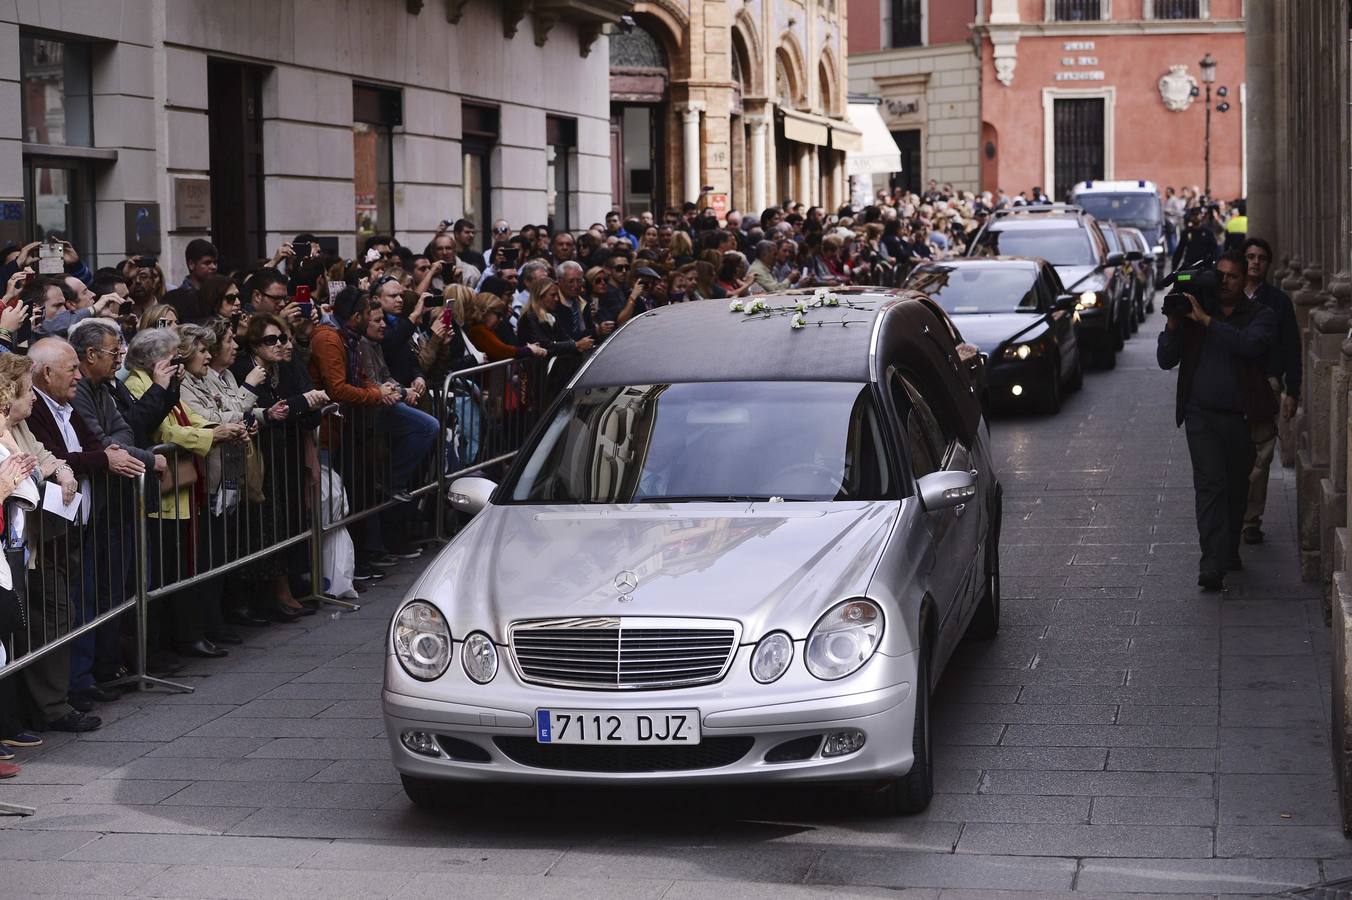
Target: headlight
(480, 657)
(1088, 300)
(844, 639)
(1019, 351)
(422, 640)
(771, 657)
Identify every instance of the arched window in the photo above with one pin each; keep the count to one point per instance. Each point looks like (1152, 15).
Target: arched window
(636, 49)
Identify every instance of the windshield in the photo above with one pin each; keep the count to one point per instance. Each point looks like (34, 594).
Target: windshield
(715, 441)
(1136, 210)
(1058, 246)
(961, 290)
(1110, 237)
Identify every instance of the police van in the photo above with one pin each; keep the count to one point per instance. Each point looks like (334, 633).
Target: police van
(1131, 204)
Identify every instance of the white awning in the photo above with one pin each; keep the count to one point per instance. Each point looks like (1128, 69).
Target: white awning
(879, 153)
(806, 128)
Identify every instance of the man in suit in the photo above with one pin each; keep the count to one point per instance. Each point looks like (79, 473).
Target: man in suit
(60, 561)
(1283, 372)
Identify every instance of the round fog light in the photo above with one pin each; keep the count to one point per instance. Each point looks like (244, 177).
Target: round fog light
(1017, 390)
(420, 742)
(843, 743)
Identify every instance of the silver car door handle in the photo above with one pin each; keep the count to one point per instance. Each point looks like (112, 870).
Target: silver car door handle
(957, 510)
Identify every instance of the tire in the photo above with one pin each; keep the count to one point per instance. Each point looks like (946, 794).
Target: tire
(985, 622)
(425, 793)
(1077, 376)
(1119, 337)
(1049, 404)
(912, 793)
(1108, 358)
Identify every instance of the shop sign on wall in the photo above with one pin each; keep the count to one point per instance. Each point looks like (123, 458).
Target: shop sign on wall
(1079, 62)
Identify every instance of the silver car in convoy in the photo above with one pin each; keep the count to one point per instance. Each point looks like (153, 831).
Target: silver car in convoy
(739, 548)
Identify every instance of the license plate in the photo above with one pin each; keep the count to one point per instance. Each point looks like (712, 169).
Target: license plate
(601, 726)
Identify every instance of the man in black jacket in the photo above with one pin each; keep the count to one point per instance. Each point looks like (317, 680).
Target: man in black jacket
(1283, 372)
(1221, 349)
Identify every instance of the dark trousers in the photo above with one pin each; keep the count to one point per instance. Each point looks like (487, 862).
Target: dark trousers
(1222, 457)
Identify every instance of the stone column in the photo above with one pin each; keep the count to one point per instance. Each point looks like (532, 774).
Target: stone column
(690, 113)
(1323, 347)
(760, 125)
(804, 173)
(814, 177)
(1333, 489)
(1259, 73)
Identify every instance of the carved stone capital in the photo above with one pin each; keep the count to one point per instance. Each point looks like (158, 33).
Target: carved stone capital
(544, 23)
(513, 11)
(1291, 283)
(455, 9)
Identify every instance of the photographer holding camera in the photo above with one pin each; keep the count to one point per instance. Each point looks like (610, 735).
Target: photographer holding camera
(1220, 344)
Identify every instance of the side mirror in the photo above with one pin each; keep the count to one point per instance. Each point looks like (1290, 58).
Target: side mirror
(1158, 249)
(1114, 259)
(470, 494)
(1135, 256)
(945, 490)
(1064, 303)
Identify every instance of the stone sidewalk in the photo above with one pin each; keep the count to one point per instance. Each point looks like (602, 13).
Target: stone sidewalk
(1125, 735)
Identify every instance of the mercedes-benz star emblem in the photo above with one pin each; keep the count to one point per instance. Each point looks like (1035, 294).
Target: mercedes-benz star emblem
(625, 582)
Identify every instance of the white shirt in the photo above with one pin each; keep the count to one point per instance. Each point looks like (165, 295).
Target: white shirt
(62, 413)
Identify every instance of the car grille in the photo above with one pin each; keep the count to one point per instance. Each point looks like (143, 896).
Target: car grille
(709, 754)
(623, 653)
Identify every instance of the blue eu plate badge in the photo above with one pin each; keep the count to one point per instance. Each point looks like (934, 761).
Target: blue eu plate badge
(542, 726)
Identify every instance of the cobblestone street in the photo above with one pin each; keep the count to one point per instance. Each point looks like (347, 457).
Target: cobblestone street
(1124, 734)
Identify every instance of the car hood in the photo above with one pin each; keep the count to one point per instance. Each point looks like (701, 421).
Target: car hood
(1071, 274)
(989, 330)
(769, 565)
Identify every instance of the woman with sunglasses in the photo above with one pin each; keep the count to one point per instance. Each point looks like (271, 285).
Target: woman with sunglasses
(288, 419)
(182, 492)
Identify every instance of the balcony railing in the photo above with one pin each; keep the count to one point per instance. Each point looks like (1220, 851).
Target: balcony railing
(1077, 10)
(1176, 9)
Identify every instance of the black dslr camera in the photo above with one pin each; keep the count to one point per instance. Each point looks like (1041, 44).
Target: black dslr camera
(1199, 279)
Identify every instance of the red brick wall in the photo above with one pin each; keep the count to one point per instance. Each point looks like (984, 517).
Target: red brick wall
(950, 20)
(1149, 140)
(866, 25)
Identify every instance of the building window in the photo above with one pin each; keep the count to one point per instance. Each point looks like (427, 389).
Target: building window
(906, 23)
(1077, 10)
(57, 112)
(57, 92)
(376, 112)
(1176, 9)
(560, 158)
(479, 135)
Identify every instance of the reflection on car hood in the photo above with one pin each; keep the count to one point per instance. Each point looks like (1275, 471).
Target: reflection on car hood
(1071, 274)
(768, 565)
(989, 330)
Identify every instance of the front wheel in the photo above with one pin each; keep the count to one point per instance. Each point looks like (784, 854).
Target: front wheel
(985, 622)
(912, 793)
(425, 793)
(1050, 403)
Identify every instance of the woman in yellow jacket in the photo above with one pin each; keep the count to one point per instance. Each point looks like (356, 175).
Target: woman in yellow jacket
(173, 538)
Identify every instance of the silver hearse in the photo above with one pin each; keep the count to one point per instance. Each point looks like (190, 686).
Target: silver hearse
(740, 547)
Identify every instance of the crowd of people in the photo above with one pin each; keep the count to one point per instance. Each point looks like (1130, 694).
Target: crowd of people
(237, 366)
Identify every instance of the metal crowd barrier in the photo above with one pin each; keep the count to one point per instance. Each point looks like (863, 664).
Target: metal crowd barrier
(162, 545)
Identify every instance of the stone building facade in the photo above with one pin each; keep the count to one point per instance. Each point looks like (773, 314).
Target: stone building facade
(1076, 89)
(744, 97)
(1300, 197)
(137, 125)
(919, 58)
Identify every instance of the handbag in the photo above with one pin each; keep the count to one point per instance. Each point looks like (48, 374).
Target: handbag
(253, 473)
(183, 473)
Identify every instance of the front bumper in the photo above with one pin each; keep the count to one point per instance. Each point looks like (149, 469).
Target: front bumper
(498, 720)
(1032, 375)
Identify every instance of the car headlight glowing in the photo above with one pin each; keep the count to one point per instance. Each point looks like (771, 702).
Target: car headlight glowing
(1088, 300)
(422, 640)
(479, 657)
(844, 639)
(771, 657)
